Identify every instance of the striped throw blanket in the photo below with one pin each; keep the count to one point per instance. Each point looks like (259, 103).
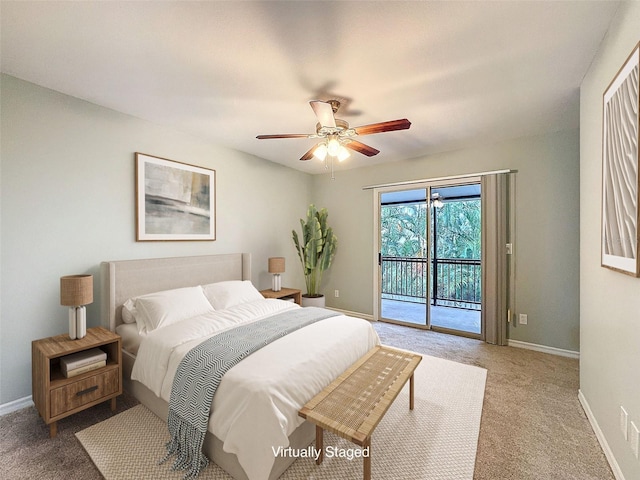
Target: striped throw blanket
(201, 371)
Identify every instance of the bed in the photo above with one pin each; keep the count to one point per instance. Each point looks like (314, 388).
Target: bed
(272, 384)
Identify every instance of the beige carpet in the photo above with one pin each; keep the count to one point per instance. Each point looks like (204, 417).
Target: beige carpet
(435, 441)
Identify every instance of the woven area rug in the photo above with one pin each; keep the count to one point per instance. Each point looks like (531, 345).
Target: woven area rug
(435, 441)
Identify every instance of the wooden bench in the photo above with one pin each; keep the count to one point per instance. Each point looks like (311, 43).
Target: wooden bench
(354, 403)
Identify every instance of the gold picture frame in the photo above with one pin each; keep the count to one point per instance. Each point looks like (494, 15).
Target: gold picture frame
(620, 188)
(174, 201)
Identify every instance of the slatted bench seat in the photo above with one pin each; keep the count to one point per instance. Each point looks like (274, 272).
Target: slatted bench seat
(353, 404)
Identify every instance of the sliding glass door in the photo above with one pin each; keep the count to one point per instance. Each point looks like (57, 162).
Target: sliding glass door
(429, 246)
(456, 270)
(403, 259)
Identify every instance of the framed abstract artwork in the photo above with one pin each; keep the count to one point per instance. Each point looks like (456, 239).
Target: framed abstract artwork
(620, 169)
(174, 200)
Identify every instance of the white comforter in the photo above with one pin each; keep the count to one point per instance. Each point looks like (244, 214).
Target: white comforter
(256, 405)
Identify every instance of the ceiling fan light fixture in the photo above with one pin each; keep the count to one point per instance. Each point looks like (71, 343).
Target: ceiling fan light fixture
(333, 147)
(320, 152)
(436, 200)
(334, 133)
(343, 153)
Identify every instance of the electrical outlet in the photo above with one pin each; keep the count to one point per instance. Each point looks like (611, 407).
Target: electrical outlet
(635, 439)
(624, 421)
(336, 293)
(522, 319)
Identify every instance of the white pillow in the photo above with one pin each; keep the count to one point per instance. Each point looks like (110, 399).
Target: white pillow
(128, 311)
(233, 292)
(160, 309)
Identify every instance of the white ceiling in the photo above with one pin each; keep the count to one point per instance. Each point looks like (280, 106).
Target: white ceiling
(463, 73)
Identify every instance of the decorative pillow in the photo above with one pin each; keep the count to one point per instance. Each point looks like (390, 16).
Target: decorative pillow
(160, 309)
(233, 292)
(128, 311)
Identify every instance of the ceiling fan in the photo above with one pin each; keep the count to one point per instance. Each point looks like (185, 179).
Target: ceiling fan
(337, 135)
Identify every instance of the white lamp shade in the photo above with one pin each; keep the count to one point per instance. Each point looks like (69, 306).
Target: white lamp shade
(343, 153)
(333, 147)
(320, 152)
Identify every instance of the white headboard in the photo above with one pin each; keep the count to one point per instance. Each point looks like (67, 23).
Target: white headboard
(125, 279)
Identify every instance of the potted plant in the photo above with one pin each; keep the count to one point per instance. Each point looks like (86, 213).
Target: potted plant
(316, 249)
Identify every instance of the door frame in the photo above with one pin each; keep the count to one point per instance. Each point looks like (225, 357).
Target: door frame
(377, 278)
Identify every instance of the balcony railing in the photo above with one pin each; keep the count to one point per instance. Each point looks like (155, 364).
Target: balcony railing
(456, 281)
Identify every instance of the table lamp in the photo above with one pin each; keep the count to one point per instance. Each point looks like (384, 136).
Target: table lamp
(76, 291)
(276, 266)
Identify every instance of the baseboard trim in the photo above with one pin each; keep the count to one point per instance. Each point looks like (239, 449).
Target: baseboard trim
(19, 404)
(353, 314)
(512, 343)
(601, 438)
(544, 349)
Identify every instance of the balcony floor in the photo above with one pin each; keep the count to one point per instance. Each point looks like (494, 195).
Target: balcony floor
(444, 317)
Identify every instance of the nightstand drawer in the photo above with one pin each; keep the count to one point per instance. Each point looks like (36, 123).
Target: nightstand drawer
(84, 391)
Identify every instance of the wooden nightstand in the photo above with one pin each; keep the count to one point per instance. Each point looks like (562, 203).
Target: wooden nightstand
(56, 396)
(283, 294)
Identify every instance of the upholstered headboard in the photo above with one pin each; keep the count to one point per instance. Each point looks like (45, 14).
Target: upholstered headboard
(125, 279)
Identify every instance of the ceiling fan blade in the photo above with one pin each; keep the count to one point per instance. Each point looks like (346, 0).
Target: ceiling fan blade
(402, 124)
(309, 154)
(324, 112)
(362, 148)
(284, 135)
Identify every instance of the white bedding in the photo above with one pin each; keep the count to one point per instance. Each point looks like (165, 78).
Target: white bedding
(256, 405)
(130, 337)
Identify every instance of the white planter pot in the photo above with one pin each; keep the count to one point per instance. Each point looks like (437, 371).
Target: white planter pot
(312, 301)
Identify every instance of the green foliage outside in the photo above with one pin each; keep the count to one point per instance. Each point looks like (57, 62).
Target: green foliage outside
(403, 233)
(458, 233)
(403, 229)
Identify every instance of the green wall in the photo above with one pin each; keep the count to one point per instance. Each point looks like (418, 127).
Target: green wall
(547, 228)
(68, 203)
(609, 301)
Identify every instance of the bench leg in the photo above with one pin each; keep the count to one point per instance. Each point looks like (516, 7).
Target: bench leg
(411, 392)
(319, 435)
(366, 475)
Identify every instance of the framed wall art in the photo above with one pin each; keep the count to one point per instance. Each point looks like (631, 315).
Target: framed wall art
(620, 169)
(174, 200)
